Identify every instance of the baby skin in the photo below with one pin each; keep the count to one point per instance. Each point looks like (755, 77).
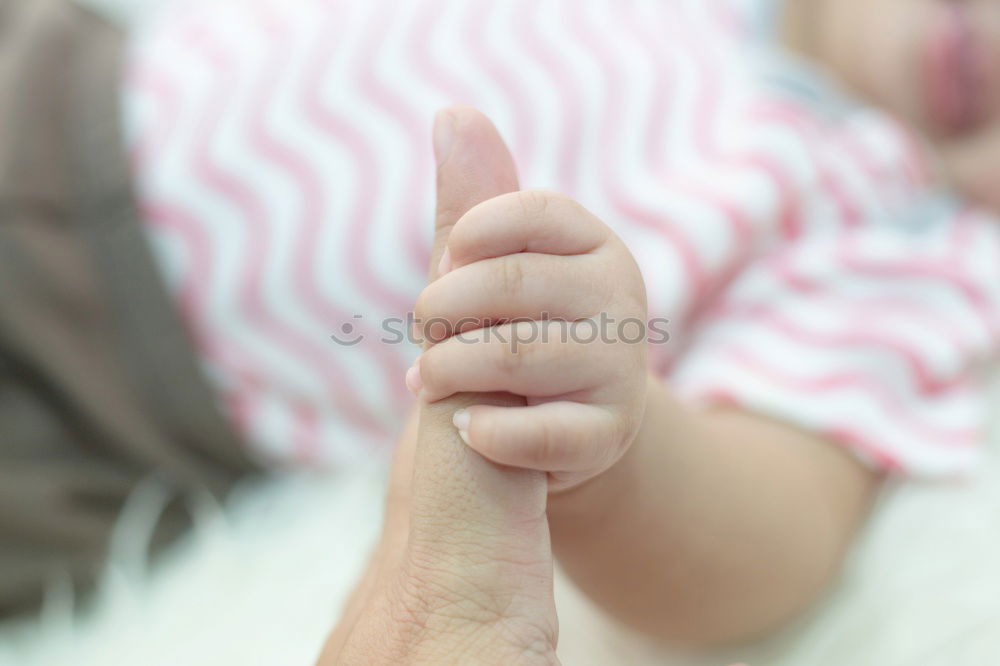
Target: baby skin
(697, 525)
(701, 526)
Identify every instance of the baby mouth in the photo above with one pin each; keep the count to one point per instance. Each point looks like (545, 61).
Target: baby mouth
(953, 85)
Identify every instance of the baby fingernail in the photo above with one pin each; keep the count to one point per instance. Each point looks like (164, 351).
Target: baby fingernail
(462, 419)
(413, 381)
(445, 266)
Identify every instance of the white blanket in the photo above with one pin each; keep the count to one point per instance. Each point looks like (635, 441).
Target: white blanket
(261, 582)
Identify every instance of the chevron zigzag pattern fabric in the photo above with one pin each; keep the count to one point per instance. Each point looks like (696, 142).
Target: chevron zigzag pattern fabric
(283, 158)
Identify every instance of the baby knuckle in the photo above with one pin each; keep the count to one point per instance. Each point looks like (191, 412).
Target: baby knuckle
(511, 275)
(547, 445)
(534, 205)
(510, 361)
(563, 351)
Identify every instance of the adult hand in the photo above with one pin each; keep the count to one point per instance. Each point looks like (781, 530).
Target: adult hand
(463, 573)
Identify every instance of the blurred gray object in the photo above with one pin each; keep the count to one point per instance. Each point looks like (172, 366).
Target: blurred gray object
(122, 11)
(99, 388)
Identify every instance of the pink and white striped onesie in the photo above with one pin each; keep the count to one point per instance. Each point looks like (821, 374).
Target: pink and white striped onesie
(283, 159)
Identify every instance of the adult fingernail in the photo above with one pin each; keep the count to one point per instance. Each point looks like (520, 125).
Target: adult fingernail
(462, 419)
(445, 266)
(413, 380)
(444, 135)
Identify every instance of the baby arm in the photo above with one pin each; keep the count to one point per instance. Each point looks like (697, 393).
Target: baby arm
(716, 526)
(699, 526)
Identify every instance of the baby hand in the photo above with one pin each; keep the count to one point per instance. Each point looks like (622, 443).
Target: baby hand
(538, 298)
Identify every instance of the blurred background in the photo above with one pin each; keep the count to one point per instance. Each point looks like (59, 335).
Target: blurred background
(252, 569)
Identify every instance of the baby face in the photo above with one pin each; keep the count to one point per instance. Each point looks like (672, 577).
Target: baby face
(933, 63)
